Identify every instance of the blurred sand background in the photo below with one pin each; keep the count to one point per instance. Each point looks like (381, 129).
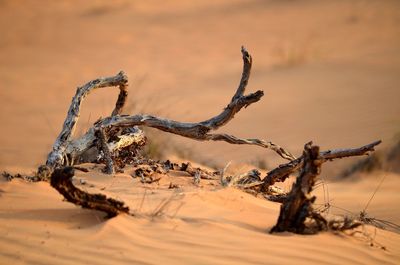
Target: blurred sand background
(330, 71)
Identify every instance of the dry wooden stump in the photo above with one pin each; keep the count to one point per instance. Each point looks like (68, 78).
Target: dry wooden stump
(298, 205)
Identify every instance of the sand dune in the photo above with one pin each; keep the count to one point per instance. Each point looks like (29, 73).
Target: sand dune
(205, 225)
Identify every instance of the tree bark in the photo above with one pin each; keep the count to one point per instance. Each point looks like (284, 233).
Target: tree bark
(298, 205)
(56, 157)
(61, 180)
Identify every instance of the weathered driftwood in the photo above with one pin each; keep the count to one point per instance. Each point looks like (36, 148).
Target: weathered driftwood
(297, 214)
(243, 181)
(61, 180)
(298, 205)
(65, 150)
(146, 169)
(282, 172)
(200, 130)
(118, 133)
(85, 149)
(57, 156)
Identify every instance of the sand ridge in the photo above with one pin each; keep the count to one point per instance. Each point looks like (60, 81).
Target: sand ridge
(202, 225)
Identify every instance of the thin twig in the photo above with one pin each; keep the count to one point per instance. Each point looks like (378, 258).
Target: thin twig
(373, 194)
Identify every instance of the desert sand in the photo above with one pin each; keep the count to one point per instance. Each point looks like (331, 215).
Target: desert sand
(330, 73)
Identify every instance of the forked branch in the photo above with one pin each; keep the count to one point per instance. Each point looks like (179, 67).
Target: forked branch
(298, 206)
(64, 147)
(57, 155)
(200, 130)
(123, 129)
(280, 173)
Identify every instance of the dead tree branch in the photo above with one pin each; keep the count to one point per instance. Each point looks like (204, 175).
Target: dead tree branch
(200, 130)
(65, 148)
(84, 149)
(282, 172)
(61, 180)
(123, 95)
(57, 155)
(120, 133)
(298, 206)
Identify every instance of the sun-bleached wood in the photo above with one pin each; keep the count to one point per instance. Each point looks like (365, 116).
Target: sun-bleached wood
(124, 128)
(64, 147)
(57, 156)
(200, 130)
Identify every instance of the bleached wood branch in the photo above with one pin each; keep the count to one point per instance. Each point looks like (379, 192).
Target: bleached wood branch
(64, 147)
(200, 130)
(77, 150)
(57, 155)
(197, 131)
(124, 127)
(280, 173)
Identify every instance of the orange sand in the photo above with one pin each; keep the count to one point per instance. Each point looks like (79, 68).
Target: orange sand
(205, 225)
(330, 72)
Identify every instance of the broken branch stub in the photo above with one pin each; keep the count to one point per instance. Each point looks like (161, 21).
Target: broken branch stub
(61, 180)
(298, 205)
